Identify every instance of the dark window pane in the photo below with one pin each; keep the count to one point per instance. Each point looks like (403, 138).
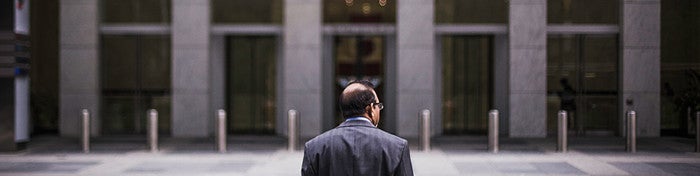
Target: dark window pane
(7, 15)
(135, 11)
(583, 11)
(680, 66)
(471, 11)
(359, 11)
(251, 84)
(246, 11)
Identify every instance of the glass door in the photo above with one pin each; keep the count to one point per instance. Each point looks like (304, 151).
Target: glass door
(582, 78)
(467, 83)
(251, 84)
(359, 58)
(135, 77)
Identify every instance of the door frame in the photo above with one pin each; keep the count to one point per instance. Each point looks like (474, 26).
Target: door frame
(217, 55)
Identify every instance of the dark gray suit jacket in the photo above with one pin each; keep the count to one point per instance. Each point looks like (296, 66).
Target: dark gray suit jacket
(356, 148)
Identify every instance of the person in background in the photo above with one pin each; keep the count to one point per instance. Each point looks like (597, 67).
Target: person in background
(568, 103)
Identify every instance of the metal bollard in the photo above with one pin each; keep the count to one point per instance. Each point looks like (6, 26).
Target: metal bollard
(86, 131)
(631, 132)
(292, 127)
(425, 118)
(562, 135)
(697, 131)
(221, 137)
(153, 130)
(493, 131)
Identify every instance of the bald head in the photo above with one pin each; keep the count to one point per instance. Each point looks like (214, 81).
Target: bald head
(354, 87)
(355, 97)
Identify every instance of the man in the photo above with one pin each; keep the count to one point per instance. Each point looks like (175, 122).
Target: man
(357, 146)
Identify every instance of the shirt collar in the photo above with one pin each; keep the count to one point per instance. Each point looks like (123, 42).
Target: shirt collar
(358, 118)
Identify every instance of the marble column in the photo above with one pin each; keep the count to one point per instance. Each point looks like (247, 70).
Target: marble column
(640, 64)
(500, 81)
(302, 66)
(191, 110)
(79, 65)
(416, 66)
(528, 72)
(217, 72)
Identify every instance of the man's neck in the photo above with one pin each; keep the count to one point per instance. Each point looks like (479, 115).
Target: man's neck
(363, 118)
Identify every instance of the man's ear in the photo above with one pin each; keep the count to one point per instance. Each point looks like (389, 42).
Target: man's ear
(369, 111)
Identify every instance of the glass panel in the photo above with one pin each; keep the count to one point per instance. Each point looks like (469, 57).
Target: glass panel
(583, 11)
(359, 11)
(135, 77)
(135, 11)
(466, 87)
(680, 66)
(7, 16)
(582, 79)
(246, 11)
(251, 82)
(359, 58)
(471, 11)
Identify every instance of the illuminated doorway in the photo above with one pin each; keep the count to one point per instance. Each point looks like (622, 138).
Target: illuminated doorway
(358, 58)
(467, 83)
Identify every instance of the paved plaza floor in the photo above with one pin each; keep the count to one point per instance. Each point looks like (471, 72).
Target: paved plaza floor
(259, 155)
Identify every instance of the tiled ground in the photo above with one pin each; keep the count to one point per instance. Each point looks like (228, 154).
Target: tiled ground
(268, 156)
(44, 167)
(541, 168)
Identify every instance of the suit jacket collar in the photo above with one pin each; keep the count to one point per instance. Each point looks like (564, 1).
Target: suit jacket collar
(356, 123)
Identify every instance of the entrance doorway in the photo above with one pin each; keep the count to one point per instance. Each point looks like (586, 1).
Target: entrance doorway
(135, 77)
(467, 62)
(359, 58)
(251, 84)
(582, 78)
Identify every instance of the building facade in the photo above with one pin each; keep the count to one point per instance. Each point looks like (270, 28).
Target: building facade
(457, 58)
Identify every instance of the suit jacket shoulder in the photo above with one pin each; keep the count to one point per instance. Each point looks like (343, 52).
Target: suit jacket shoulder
(356, 148)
